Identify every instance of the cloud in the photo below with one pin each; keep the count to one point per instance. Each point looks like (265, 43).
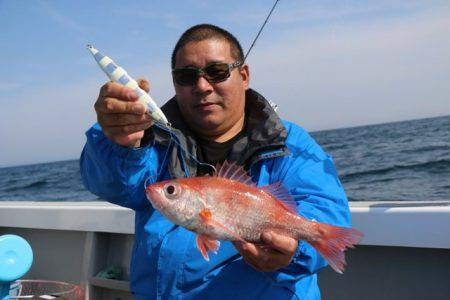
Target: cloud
(347, 75)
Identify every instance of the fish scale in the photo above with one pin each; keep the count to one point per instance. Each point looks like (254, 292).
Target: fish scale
(232, 213)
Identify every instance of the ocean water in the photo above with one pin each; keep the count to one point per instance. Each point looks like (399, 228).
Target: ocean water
(395, 161)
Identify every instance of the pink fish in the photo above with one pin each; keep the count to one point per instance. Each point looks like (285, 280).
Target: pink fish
(229, 206)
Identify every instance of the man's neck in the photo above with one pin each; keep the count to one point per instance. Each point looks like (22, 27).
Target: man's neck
(229, 134)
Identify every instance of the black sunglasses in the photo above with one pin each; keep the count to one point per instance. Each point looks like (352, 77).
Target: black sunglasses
(214, 73)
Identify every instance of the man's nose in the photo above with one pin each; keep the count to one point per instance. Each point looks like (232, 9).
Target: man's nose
(202, 85)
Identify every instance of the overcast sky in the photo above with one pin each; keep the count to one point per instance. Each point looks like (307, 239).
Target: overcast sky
(327, 64)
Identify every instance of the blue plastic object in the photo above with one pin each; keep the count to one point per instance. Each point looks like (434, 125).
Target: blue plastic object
(16, 258)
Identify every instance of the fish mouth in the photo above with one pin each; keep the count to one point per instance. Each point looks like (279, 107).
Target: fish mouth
(152, 196)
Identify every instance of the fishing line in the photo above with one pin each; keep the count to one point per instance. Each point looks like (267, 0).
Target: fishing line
(261, 29)
(185, 152)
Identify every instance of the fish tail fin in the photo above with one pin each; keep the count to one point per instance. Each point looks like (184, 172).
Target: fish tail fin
(333, 241)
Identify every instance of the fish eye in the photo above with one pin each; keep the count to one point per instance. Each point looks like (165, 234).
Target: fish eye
(170, 189)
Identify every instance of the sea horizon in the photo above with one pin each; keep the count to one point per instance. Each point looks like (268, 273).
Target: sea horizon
(312, 132)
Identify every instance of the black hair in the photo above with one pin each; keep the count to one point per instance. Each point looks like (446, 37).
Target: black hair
(203, 32)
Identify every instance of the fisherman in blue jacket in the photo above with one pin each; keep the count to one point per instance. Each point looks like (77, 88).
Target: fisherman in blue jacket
(215, 117)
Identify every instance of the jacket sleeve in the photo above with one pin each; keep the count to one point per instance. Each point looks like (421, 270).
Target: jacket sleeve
(116, 173)
(310, 175)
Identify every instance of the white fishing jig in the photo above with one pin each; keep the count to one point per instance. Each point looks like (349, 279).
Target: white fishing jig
(119, 75)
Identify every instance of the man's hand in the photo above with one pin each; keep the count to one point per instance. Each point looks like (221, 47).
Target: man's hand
(121, 117)
(275, 253)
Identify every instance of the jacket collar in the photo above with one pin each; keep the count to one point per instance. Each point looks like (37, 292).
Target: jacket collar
(264, 132)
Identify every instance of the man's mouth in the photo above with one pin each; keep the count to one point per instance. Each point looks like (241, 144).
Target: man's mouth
(205, 104)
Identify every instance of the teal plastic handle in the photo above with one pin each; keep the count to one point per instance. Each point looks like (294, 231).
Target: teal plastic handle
(16, 258)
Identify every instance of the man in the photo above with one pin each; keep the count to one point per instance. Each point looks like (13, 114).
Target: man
(216, 117)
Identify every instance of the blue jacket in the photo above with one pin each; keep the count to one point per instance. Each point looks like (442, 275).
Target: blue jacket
(166, 263)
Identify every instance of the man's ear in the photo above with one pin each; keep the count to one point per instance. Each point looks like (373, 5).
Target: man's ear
(244, 70)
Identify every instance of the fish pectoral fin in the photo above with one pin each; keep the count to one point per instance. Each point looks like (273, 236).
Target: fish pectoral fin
(207, 218)
(205, 215)
(205, 244)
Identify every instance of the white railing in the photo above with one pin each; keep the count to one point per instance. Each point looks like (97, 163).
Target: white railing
(408, 224)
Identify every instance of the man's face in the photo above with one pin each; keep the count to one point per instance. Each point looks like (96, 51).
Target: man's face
(211, 109)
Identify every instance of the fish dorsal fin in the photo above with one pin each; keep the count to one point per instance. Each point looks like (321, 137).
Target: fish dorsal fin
(282, 195)
(234, 172)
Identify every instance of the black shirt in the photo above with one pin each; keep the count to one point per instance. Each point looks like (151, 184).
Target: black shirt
(212, 152)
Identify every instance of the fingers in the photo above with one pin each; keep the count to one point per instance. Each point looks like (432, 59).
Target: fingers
(107, 120)
(276, 252)
(128, 136)
(281, 243)
(113, 131)
(262, 259)
(116, 106)
(116, 90)
(144, 84)
(122, 118)
(131, 140)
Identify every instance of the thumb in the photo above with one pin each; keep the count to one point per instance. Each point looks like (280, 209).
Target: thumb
(144, 84)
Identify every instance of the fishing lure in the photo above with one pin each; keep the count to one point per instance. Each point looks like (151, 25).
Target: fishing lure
(119, 75)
